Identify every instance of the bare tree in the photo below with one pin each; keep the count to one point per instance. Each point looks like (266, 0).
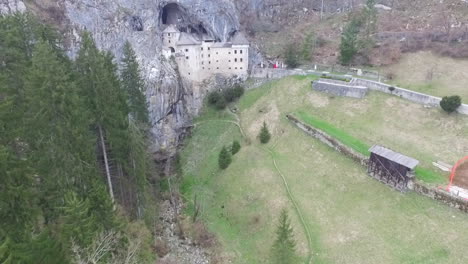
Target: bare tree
(99, 248)
(104, 245)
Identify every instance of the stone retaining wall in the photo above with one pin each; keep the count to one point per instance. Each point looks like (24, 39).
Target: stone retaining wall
(339, 88)
(417, 186)
(413, 96)
(330, 141)
(441, 195)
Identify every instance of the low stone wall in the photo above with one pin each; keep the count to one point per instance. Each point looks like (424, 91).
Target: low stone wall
(330, 141)
(441, 195)
(269, 73)
(416, 186)
(406, 94)
(339, 88)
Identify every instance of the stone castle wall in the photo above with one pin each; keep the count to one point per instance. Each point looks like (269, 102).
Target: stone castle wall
(340, 88)
(413, 96)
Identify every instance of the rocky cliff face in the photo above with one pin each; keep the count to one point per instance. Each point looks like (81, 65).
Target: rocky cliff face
(173, 102)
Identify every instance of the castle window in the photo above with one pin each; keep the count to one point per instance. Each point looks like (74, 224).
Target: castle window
(240, 51)
(235, 68)
(169, 41)
(229, 67)
(186, 50)
(203, 68)
(189, 73)
(217, 60)
(216, 53)
(209, 62)
(241, 68)
(209, 55)
(201, 48)
(217, 68)
(229, 60)
(229, 52)
(235, 52)
(202, 55)
(241, 60)
(209, 48)
(202, 63)
(169, 34)
(186, 57)
(235, 60)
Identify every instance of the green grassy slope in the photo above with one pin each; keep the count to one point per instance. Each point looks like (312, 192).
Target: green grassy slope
(351, 217)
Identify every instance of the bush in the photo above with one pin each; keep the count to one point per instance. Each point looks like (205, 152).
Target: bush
(214, 97)
(220, 100)
(221, 103)
(229, 95)
(224, 159)
(450, 103)
(264, 134)
(238, 91)
(235, 147)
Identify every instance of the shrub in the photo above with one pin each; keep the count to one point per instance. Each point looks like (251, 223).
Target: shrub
(264, 134)
(238, 91)
(221, 103)
(450, 103)
(391, 89)
(214, 97)
(230, 95)
(224, 159)
(235, 147)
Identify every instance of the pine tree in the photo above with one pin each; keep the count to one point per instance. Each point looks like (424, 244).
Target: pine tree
(264, 135)
(78, 223)
(134, 85)
(291, 56)
(284, 247)
(224, 159)
(349, 41)
(235, 147)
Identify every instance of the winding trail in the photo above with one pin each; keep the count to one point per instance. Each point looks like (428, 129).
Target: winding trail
(295, 204)
(285, 182)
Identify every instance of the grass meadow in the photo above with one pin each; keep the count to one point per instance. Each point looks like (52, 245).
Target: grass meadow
(350, 217)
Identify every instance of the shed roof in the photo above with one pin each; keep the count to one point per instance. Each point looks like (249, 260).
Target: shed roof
(394, 156)
(187, 39)
(239, 39)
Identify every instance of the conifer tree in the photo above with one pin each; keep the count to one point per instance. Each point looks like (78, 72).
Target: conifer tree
(79, 225)
(264, 134)
(134, 85)
(284, 247)
(235, 147)
(224, 159)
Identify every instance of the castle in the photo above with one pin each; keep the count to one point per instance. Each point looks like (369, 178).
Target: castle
(200, 57)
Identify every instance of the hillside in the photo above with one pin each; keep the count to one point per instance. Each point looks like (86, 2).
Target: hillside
(347, 214)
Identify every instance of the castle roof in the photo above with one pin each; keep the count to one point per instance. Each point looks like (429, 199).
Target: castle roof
(222, 45)
(187, 39)
(239, 39)
(171, 29)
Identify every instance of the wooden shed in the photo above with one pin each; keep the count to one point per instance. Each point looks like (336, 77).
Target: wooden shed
(391, 168)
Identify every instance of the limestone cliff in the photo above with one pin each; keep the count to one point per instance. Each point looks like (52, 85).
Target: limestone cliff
(173, 102)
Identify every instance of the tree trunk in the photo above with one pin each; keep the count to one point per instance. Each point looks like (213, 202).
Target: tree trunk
(106, 164)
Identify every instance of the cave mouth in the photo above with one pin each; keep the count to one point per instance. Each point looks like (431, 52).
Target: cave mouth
(171, 14)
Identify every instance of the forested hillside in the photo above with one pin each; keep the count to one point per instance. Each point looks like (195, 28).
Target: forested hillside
(74, 166)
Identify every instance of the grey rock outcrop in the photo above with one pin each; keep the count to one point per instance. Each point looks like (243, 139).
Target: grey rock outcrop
(173, 102)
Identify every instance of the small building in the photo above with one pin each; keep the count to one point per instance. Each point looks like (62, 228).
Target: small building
(200, 56)
(391, 168)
